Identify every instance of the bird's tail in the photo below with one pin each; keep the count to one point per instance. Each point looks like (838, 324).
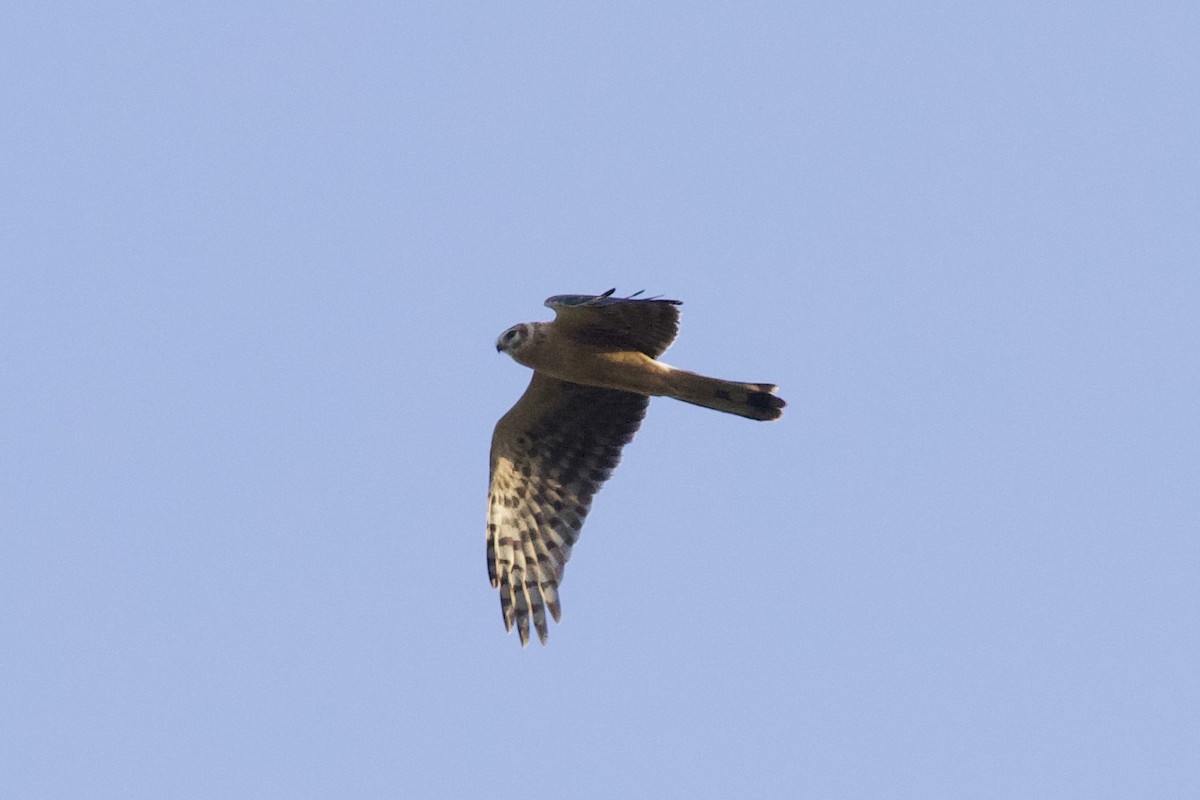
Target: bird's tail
(750, 400)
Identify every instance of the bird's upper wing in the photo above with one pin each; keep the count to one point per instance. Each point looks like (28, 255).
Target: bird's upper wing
(648, 325)
(550, 454)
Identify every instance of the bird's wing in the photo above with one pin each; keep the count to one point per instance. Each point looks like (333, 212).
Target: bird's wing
(550, 454)
(647, 325)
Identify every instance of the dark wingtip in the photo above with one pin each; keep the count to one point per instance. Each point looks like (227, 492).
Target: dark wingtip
(604, 299)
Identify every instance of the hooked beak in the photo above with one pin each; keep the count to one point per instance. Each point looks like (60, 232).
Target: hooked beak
(499, 349)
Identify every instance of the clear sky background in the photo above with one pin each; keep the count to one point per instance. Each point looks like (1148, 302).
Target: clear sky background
(255, 259)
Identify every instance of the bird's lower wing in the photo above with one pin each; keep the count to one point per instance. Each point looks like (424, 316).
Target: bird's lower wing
(550, 454)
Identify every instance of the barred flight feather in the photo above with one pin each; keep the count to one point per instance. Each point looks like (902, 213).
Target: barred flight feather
(546, 467)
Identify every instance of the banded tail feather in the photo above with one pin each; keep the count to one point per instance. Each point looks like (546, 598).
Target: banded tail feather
(750, 400)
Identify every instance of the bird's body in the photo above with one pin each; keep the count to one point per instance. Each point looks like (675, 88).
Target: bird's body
(578, 362)
(595, 367)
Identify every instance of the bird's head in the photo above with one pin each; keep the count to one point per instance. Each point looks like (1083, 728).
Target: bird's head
(514, 338)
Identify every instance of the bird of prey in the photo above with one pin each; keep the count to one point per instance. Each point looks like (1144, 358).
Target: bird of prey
(595, 368)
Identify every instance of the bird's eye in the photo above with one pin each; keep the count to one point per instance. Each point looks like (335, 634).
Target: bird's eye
(512, 335)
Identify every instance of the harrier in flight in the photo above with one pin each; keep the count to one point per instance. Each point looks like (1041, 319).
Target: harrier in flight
(594, 368)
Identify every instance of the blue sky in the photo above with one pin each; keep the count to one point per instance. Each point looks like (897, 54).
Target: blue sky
(256, 257)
